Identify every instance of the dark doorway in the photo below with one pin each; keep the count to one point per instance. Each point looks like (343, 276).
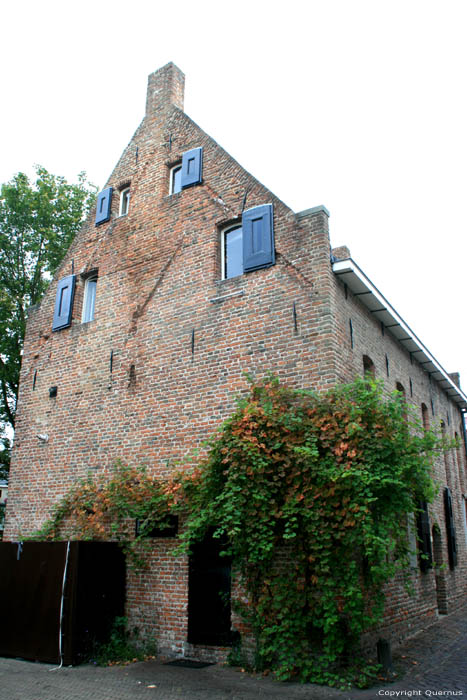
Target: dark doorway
(209, 594)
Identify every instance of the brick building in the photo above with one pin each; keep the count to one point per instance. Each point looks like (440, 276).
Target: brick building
(189, 273)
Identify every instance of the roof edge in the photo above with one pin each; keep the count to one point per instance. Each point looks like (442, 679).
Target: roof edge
(349, 268)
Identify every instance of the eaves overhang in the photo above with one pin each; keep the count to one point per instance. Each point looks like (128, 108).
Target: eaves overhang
(361, 287)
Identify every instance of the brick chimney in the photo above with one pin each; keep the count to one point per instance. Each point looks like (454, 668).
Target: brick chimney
(166, 87)
(341, 253)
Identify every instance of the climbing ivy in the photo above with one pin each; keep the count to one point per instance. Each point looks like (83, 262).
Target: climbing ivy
(310, 492)
(106, 506)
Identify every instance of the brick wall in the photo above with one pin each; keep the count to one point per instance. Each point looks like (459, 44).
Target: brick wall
(158, 368)
(437, 591)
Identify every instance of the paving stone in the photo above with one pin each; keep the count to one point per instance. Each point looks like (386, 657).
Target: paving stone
(433, 664)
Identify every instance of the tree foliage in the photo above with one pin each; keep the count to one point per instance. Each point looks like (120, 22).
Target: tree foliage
(38, 221)
(4, 457)
(311, 493)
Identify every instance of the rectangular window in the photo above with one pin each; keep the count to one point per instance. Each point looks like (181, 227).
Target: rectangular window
(170, 529)
(412, 540)
(124, 201)
(176, 179)
(424, 537)
(89, 301)
(248, 246)
(450, 528)
(232, 252)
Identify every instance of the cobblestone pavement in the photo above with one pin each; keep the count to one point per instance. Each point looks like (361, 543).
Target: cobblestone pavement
(434, 665)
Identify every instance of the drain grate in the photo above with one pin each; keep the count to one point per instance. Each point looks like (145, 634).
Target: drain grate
(188, 663)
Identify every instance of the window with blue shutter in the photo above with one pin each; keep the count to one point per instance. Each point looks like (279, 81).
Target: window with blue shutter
(64, 303)
(104, 201)
(258, 238)
(192, 167)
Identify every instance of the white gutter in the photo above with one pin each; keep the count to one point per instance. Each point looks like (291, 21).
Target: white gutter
(361, 287)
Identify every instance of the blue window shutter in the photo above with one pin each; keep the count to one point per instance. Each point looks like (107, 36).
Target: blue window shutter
(258, 238)
(192, 167)
(104, 200)
(64, 303)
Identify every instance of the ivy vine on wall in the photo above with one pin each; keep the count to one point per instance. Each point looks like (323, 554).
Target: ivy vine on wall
(309, 491)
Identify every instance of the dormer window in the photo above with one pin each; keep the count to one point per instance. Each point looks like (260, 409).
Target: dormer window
(176, 179)
(89, 301)
(124, 201)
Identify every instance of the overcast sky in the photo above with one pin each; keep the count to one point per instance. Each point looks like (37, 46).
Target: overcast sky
(358, 105)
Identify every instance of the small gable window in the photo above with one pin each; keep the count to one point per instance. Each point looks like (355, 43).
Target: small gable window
(89, 301)
(124, 201)
(176, 179)
(249, 246)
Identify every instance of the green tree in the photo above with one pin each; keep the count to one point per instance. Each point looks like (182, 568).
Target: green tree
(4, 457)
(38, 221)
